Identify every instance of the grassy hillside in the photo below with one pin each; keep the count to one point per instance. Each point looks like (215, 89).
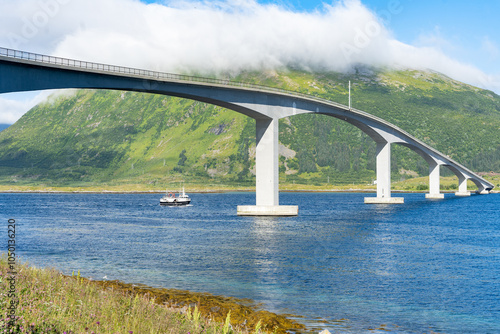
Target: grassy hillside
(90, 137)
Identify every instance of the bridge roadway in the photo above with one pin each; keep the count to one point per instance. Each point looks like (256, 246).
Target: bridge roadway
(24, 71)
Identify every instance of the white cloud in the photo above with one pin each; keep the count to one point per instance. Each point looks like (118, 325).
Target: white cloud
(221, 36)
(431, 58)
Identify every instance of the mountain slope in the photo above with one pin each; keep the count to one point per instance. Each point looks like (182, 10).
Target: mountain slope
(90, 136)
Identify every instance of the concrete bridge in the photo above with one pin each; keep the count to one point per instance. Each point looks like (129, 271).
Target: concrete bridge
(23, 71)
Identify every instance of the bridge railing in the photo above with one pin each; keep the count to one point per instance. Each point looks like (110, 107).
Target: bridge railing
(155, 75)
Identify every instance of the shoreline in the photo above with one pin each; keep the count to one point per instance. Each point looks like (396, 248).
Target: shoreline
(222, 191)
(67, 292)
(245, 312)
(449, 184)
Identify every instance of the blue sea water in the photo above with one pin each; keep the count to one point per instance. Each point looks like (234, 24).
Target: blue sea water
(424, 266)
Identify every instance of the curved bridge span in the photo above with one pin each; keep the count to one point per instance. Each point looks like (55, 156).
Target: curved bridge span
(23, 71)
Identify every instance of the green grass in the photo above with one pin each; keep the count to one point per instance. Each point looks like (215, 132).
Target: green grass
(49, 302)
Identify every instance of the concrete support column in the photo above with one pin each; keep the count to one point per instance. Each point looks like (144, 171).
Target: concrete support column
(462, 186)
(384, 177)
(434, 182)
(267, 162)
(383, 170)
(267, 174)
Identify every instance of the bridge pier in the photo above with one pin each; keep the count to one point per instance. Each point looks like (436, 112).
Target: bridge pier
(434, 182)
(462, 186)
(384, 177)
(267, 174)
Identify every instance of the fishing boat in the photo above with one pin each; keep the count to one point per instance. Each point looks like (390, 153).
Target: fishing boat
(172, 200)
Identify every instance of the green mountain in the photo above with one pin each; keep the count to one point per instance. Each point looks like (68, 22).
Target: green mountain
(94, 137)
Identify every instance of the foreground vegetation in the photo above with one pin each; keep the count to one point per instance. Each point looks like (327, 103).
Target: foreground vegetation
(50, 302)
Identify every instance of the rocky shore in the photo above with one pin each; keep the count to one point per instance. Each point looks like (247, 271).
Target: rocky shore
(245, 313)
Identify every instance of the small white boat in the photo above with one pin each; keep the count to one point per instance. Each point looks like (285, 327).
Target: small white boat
(172, 200)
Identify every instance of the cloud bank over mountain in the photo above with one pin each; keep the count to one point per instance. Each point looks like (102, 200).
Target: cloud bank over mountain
(227, 36)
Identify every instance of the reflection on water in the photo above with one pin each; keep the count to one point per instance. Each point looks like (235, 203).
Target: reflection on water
(421, 266)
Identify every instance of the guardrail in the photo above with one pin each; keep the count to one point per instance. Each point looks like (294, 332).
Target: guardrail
(150, 74)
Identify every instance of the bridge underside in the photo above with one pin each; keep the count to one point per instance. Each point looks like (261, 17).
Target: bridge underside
(266, 107)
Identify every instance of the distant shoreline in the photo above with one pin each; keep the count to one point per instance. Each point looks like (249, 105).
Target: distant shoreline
(449, 184)
(222, 191)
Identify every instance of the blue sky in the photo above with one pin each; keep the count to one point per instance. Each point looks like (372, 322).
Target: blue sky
(458, 38)
(460, 28)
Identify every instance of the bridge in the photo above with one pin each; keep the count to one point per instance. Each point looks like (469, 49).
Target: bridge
(23, 71)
